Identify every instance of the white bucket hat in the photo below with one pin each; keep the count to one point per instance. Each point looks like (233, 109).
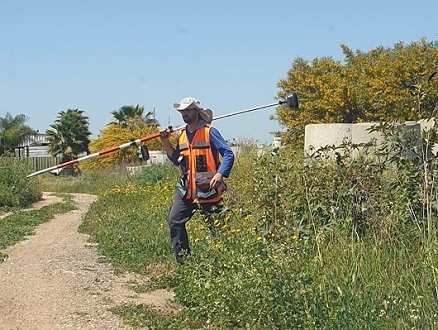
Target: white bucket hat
(190, 102)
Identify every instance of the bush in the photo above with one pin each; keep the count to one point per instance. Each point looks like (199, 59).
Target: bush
(157, 173)
(16, 190)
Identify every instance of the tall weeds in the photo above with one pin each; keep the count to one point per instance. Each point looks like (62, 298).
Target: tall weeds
(344, 238)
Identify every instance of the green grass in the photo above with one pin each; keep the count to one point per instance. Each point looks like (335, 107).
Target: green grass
(87, 183)
(130, 225)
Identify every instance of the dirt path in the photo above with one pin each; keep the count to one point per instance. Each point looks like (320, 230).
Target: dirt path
(53, 280)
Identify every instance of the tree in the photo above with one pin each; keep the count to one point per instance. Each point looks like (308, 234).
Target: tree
(114, 135)
(69, 135)
(384, 84)
(13, 132)
(127, 112)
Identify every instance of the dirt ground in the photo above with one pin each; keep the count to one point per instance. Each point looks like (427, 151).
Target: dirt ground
(53, 280)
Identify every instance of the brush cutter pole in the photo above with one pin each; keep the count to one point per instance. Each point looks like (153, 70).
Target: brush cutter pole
(248, 110)
(291, 101)
(96, 154)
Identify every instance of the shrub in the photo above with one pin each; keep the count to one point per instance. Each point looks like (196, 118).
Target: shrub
(157, 173)
(16, 190)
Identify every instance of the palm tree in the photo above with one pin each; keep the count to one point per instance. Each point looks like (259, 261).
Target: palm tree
(13, 132)
(69, 135)
(126, 112)
(149, 119)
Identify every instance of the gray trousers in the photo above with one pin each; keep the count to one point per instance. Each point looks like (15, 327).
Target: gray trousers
(180, 212)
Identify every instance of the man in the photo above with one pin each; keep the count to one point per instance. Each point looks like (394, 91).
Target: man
(197, 152)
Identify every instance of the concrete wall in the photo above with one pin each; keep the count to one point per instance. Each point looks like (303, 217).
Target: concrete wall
(321, 135)
(157, 157)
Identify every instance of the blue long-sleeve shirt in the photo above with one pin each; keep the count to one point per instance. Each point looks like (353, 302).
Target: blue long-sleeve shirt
(217, 143)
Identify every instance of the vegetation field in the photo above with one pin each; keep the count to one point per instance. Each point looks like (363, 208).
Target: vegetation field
(336, 240)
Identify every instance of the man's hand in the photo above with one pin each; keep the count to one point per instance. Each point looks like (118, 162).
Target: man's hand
(216, 181)
(165, 134)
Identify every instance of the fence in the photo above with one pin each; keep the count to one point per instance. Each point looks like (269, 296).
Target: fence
(41, 163)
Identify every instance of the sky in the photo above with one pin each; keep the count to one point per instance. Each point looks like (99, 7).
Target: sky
(100, 55)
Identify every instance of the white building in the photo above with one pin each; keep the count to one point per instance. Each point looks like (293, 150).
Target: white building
(33, 146)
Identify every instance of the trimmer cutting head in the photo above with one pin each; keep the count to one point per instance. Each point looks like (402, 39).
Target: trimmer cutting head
(291, 100)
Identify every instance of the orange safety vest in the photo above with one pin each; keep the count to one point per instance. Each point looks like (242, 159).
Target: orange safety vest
(199, 165)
